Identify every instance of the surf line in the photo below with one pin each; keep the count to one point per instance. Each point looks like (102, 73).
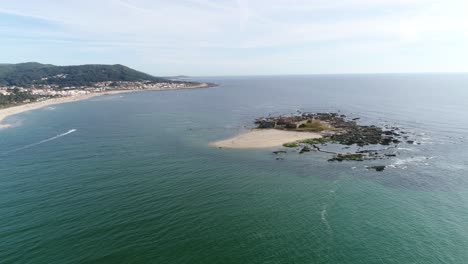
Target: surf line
(42, 141)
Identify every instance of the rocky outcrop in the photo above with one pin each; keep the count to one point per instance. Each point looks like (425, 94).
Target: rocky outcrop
(279, 152)
(304, 149)
(337, 129)
(352, 157)
(377, 168)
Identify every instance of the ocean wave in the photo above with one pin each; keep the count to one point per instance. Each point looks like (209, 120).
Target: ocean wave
(407, 149)
(402, 163)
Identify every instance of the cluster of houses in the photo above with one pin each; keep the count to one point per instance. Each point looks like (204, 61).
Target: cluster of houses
(141, 85)
(58, 76)
(4, 91)
(51, 92)
(47, 90)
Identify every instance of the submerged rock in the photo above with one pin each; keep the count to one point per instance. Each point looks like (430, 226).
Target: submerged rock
(279, 152)
(304, 149)
(377, 168)
(351, 157)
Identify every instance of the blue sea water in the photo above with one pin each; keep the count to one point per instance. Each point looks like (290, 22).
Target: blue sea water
(131, 178)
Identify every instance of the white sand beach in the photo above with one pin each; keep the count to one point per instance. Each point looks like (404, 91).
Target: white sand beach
(264, 138)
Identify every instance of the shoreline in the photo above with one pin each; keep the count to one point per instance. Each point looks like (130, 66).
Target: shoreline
(264, 138)
(17, 109)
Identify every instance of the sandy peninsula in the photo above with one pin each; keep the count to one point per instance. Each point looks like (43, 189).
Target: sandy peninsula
(264, 138)
(6, 112)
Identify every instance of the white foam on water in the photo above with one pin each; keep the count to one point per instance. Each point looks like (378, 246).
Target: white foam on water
(42, 141)
(323, 216)
(402, 163)
(408, 149)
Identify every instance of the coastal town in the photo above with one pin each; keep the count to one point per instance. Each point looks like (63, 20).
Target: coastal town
(17, 99)
(33, 82)
(32, 85)
(45, 91)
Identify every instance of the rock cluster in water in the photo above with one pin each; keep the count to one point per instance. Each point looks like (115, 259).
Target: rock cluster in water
(338, 129)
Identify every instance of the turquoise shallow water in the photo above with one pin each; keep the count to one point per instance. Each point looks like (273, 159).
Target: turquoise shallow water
(131, 179)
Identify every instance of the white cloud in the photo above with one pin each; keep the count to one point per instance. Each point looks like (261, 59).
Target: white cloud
(216, 30)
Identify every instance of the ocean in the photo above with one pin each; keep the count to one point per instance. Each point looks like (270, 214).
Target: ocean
(131, 178)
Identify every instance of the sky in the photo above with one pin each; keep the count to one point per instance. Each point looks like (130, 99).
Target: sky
(240, 37)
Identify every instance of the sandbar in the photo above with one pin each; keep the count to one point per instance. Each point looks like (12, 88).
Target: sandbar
(264, 138)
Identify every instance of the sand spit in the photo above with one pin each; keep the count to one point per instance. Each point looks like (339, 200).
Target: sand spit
(264, 138)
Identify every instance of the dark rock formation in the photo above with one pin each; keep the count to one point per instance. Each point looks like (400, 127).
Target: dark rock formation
(352, 157)
(377, 168)
(266, 123)
(279, 152)
(338, 129)
(304, 149)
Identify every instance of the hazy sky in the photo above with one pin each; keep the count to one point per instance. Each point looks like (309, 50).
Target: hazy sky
(208, 37)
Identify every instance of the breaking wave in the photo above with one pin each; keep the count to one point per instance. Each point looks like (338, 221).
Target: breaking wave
(402, 163)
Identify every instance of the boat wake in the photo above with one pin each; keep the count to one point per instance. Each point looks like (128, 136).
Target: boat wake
(41, 142)
(324, 212)
(323, 216)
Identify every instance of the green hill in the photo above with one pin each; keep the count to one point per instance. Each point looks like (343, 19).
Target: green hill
(27, 74)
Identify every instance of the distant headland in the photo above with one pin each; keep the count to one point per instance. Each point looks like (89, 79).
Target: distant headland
(321, 132)
(32, 85)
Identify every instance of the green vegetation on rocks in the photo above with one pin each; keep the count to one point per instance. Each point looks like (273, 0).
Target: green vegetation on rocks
(312, 141)
(291, 145)
(305, 149)
(312, 126)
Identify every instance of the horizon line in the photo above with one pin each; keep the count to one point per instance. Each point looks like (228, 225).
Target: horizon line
(250, 75)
